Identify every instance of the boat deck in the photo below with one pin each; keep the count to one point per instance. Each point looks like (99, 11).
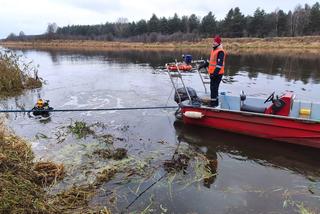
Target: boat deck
(229, 102)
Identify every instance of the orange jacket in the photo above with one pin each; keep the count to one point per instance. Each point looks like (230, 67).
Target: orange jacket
(213, 61)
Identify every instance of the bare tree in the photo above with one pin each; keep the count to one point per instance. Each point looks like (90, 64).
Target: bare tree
(52, 28)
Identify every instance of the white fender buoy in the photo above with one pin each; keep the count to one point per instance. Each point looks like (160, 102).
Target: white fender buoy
(193, 114)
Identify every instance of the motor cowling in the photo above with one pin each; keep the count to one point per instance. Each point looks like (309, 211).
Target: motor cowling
(184, 95)
(187, 59)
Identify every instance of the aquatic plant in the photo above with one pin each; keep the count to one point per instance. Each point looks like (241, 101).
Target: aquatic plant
(16, 74)
(80, 129)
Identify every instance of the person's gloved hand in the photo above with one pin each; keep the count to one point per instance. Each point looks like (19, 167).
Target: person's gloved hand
(205, 64)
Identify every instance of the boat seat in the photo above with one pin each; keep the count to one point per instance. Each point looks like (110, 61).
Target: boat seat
(254, 109)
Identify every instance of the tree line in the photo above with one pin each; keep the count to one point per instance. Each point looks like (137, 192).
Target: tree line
(303, 20)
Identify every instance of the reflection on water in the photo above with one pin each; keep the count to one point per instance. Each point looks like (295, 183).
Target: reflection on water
(292, 68)
(259, 170)
(175, 168)
(295, 68)
(256, 74)
(289, 157)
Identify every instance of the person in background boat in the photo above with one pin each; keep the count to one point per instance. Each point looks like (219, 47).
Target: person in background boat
(215, 69)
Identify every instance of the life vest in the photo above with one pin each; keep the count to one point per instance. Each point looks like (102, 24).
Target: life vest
(182, 67)
(213, 61)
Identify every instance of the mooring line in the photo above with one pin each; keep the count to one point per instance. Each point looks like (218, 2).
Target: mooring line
(86, 109)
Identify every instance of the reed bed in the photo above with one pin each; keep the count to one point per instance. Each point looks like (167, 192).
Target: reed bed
(16, 74)
(284, 45)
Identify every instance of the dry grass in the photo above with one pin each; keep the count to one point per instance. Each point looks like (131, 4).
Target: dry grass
(284, 45)
(22, 182)
(74, 200)
(16, 75)
(19, 190)
(48, 172)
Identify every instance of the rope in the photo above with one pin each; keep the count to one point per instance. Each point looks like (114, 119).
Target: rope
(88, 109)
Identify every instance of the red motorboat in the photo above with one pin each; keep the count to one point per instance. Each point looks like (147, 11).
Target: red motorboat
(282, 119)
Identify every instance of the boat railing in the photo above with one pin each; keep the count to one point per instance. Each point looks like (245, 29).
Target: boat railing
(179, 76)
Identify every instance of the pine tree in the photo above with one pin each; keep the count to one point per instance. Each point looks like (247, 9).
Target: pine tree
(209, 25)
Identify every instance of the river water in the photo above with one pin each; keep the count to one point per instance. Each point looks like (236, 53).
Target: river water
(220, 172)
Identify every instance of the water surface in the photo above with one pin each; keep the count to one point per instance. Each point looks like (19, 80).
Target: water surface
(247, 175)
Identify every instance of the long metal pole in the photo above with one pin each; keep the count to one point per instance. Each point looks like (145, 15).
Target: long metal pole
(184, 86)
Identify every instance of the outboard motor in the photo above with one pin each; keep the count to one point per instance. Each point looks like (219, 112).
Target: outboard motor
(42, 108)
(184, 95)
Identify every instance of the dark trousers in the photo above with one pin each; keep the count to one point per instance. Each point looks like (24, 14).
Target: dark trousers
(214, 88)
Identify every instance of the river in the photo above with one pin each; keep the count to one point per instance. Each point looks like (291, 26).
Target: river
(247, 175)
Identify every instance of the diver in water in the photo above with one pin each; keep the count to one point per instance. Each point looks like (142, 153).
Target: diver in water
(42, 108)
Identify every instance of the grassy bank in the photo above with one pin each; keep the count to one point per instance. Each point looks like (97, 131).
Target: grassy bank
(23, 182)
(16, 75)
(310, 44)
(20, 189)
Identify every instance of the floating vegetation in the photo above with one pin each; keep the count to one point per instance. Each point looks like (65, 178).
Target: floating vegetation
(288, 201)
(108, 139)
(177, 164)
(16, 75)
(41, 136)
(48, 172)
(162, 142)
(119, 153)
(75, 199)
(80, 129)
(106, 175)
(103, 153)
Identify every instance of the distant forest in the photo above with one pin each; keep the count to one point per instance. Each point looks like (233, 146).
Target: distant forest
(302, 21)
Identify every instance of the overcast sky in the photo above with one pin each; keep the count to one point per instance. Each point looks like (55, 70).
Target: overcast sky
(33, 16)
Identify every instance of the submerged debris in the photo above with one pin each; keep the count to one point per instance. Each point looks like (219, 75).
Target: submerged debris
(48, 172)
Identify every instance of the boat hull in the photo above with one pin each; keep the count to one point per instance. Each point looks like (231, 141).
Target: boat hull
(278, 128)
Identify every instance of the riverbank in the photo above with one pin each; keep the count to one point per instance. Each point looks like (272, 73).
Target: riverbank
(17, 74)
(25, 184)
(20, 191)
(284, 45)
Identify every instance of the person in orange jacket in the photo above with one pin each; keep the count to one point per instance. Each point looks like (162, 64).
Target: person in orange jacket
(215, 69)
